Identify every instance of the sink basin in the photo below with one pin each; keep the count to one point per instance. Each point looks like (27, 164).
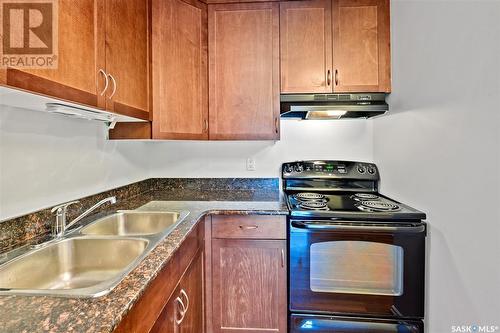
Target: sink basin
(75, 267)
(133, 223)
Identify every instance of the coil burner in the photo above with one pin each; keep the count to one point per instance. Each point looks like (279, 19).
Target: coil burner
(365, 196)
(314, 205)
(308, 196)
(378, 206)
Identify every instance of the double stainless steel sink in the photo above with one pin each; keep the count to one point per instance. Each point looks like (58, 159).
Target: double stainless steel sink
(91, 260)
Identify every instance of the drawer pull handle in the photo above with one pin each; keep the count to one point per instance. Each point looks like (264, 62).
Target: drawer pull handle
(249, 227)
(184, 294)
(181, 310)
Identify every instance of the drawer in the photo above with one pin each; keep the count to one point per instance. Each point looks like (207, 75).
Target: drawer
(249, 226)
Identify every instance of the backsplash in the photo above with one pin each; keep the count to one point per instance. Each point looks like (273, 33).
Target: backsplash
(36, 227)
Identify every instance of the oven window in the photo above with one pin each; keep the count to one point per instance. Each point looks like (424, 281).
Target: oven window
(356, 267)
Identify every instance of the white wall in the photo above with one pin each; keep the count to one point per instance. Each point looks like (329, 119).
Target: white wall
(48, 159)
(439, 149)
(345, 139)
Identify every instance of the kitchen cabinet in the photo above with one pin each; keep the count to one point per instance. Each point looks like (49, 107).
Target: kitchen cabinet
(184, 310)
(127, 57)
(103, 57)
(180, 76)
(344, 47)
(361, 51)
(174, 300)
(243, 43)
(248, 288)
(77, 77)
(306, 46)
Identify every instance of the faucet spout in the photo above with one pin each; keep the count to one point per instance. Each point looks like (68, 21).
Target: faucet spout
(111, 200)
(60, 226)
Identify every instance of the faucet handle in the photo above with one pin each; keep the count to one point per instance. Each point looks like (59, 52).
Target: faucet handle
(62, 207)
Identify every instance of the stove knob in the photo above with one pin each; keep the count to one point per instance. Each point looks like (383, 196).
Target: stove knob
(361, 169)
(288, 168)
(299, 168)
(371, 170)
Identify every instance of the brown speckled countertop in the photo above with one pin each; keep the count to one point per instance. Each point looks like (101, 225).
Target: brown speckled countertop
(53, 314)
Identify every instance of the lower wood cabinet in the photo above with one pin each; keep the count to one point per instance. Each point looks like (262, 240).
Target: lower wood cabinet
(184, 310)
(174, 300)
(249, 285)
(248, 282)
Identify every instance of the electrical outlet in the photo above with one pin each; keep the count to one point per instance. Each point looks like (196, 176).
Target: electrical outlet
(250, 164)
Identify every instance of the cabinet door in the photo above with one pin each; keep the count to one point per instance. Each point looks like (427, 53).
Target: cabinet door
(127, 57)
(243, 71)
(306, 46)
(361, 46)
(191, 287)
(249, 286)
(80, 56)
(180, 93)
(166, 321)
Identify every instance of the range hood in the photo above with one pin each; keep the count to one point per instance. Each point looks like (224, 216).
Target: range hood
(332, 106)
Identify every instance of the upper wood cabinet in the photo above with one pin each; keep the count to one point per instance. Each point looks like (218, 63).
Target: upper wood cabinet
(127, 57)
(243, 71)
(361, 39)
(180, 76)
(103, 57)
(80, 56)
(306, 46)
(344, 47)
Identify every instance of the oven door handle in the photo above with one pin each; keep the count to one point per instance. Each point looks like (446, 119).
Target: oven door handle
(349, 226)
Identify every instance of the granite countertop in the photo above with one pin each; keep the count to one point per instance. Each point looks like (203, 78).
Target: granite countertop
(103, 314)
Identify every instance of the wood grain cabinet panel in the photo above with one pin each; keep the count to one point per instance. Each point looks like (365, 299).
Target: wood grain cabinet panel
(361, 39)
(243, 71)
(127, 56)
(192, 286)
(306, 46)
(183, 313)
(80, 56)
(249, 286)
(180, 281)
(249, 226)
(180, 76)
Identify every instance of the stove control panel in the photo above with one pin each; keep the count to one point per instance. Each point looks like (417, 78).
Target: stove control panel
(330, 169)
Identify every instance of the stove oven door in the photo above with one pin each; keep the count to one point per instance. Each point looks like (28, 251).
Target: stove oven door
(371, 269)
(327, 324)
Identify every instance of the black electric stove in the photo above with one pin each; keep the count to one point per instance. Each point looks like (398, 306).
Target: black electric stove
(356, 257)
(341, 190)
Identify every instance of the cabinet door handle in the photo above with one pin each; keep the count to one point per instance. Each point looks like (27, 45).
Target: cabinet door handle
(282, 258)
(182, 308)
(206, 125)
(328, 77)
(276, 128)
(114, 86)
(336, 77)
(249, 227)
(183, 293)
(106, 81)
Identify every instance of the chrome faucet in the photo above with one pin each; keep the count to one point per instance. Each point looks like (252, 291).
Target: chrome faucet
(60, 226)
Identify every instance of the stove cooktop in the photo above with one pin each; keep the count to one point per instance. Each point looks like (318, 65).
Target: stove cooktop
(349, 205)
